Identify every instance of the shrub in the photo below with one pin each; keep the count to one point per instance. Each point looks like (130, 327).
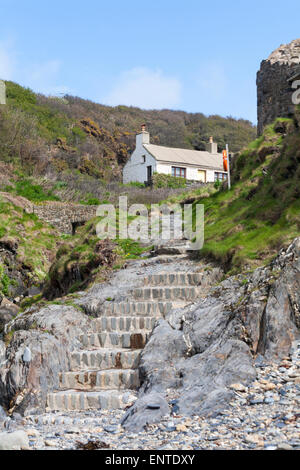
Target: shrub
(168, 181)
(92, 201)
(217, 184)
(134, 184)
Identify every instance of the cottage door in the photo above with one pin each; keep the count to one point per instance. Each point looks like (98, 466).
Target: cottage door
(149, 174)
(202, 176)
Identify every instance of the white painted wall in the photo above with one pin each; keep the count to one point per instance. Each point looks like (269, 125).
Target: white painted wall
(191, 172)
(135, 169)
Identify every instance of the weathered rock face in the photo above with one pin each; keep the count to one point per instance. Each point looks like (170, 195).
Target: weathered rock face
(50, 335)
(13, 268)
(274, 84)
(8, 311)
(148, 409)
(194, 354)
(200, 351)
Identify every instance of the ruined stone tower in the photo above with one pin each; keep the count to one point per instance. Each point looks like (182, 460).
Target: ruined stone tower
(2, 92)
(275, 81)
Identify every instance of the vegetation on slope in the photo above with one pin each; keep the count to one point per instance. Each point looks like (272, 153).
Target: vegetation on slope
(62, 136)
(84, 259)
(27, 247)
(245, 227)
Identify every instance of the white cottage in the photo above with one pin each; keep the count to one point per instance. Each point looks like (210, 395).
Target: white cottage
(205, 166)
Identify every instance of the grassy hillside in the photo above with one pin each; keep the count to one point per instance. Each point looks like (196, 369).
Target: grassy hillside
(27, 249)
(59, 137)
(245, 227)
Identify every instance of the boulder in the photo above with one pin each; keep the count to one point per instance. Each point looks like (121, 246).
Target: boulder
(8, 311)
(17, 440)
(146, 410)
(3, 415)
(47, 337)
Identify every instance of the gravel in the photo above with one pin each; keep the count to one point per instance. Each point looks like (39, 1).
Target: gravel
(257, 418)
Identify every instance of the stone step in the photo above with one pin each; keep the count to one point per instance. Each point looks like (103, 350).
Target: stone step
(174, 279)
(167, 293)
(123, 323)
(105, 359)
(74, 400)
(171, 249)
(136, 308)
(117, 379)
(129, 340)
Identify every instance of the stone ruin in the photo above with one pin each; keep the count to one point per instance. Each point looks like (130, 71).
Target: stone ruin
(2, 92)
(277, 84)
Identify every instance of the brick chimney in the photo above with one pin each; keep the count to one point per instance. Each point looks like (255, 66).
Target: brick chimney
(212, 147)
(143, 137)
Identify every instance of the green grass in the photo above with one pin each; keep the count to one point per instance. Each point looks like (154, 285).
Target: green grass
(79, 254)
(50, 123)
(37, 241)
(5, 282)
(33, 192)
(130, 248)
(245, 227)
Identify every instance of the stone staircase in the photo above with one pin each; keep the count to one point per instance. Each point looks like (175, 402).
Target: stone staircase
(104, 372)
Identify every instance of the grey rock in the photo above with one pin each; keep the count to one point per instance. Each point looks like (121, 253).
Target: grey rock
(3, 416)
(269, 401)
(111, 429)
(153, 406)
(17, 440)
(27, 355)
(284, 446)
(50, 334)
(8, 311)
(139, 415)
(201, 350)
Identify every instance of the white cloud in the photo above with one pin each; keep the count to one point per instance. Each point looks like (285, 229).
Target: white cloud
(145, 88)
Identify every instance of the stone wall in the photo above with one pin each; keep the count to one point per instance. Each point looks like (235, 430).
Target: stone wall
(65, 217)
(274, 84)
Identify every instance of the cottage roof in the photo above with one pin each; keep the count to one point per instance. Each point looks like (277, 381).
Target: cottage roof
(201, 159)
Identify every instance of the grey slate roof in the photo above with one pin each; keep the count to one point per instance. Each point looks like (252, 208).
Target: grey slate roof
(201, 159)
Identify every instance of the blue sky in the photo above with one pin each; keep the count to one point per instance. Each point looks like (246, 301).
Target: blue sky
(198, 56)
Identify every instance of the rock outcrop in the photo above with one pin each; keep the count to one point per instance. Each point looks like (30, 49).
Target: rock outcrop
(8, 311)
(198, 352)
(194, 354)
(274, 84)
(50, 335)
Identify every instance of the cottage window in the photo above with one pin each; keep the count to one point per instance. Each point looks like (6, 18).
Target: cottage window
(178, 172)
(220, 176)
(143, 158)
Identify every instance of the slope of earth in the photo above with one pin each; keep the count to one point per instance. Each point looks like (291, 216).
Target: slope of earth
(27, 248)
(246, 226)
(66, 138)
